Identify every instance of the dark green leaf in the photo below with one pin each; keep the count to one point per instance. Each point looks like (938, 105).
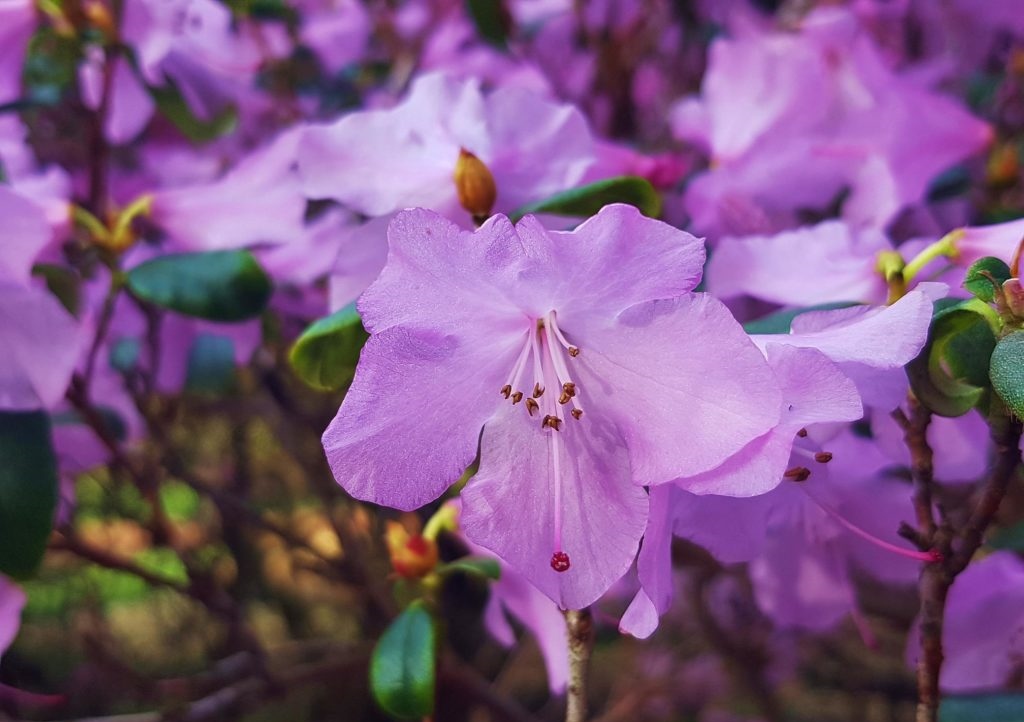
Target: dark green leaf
(124, 354)
(326, 353)
(950, 375)
(1009, 538)
(492, 19)
(781, 321)
(587, 200)
(1007, 371)
(402, 671)
(172, 105)
(28, 491)
(478, 566)
(211, 365)
(983, 708)
(217, 286)
(985, 278)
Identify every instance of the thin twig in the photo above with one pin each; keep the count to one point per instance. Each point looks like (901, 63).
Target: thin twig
(579, 624)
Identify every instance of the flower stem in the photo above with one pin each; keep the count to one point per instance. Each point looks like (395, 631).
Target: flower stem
(579, 625)
(945, 247)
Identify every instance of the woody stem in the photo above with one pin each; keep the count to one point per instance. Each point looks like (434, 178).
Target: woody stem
(579, 625)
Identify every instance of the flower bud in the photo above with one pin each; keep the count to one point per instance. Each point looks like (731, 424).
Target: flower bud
(412, 555)
(1014, 295)
(475, 185)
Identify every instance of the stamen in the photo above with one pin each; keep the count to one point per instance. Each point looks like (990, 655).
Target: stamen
(823, 457)
(559, 365)
(564, 398)
(930, 556)
(569, 388)
(517, 397)
(531, 406)
(519, 367)
(506, 390)
(798, 473)
(551, 422)
(576, 413)
(538, 390)
(559, 560)
(802, 433)
(573, 350)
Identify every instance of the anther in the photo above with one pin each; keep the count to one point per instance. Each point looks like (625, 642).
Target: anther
(560, 562)
(531, 406)
(551, 422)
(517, 397)
(576, 413)
(564, 398)
(573, 351)
(802, 433)
(823, 457)
(569, 388)
(506, 390)
(798, 473)
(538, 391)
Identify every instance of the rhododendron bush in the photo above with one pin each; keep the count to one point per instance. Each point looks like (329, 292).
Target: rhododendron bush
(511, 360)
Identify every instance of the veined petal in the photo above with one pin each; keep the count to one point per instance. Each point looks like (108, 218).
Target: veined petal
(683, 383)
(510, 506)
(654, 568)
(410, 422)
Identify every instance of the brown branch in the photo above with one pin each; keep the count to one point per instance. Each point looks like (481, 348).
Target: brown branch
(579, 624)
(915, 435)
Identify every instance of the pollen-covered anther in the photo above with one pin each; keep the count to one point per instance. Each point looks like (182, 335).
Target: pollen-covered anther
(823, 457)
(576, 413)
(798, 473)
(574, 351)
(560, 562)
(517, 397)
(531, 406)
(564, 398)
(538, 391)
(551, 422)
(506, 390)
(802, 433)
(569, 388)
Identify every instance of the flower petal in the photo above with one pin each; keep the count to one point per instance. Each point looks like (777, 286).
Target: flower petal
(430, 390)
(509, 506)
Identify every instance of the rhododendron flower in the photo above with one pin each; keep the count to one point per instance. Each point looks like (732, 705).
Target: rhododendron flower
(17, 22)
(587, 360)
(983, 635)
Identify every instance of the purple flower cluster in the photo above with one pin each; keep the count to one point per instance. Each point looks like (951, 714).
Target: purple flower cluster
(593, 384)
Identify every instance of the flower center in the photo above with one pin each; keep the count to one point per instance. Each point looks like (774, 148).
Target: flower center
(549, 354)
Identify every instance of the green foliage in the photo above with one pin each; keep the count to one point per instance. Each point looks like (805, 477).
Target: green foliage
(179, 501)
(782, 321)
(171, 104)
(985, 278)
(990, 708)
(51, 68)
(211, 365)
(492, 20)
(950, 375)
(28, 491)
(1007, 371)
(485, 567)
(587, 200)
(63, 283)
(326, 353)
(217, 285)
(1009, 538)
(403, 668)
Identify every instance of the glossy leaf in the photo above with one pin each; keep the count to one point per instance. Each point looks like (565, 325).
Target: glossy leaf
(587, 200)
(211, 365)
(1007, 371)
(983, 708)
(172, 105)
(217, 286)
(28, 491)
(478, 566)
(403, 668)
(492, 20)
(985, 277)
(326, 353)
(782, 321)
(950, 375)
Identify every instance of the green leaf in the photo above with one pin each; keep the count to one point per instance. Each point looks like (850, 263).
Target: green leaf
(1009, 538)
(211, 365)
(63, 283)
(326, 353)
(983, 708)
(172, 105)
(950, 375)
(492, 20)
(28, 491)
(486, 567)
(985, 278)
(217, 286)
(403, 668)
(1007, 371)
(587, 200)
(782, 321)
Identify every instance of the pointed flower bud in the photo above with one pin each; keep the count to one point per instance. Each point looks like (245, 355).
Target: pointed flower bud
(1014, 295)
(475, 185)
(412, 555)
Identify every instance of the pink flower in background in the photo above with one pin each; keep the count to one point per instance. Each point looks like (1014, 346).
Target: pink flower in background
(12, 600)
(17, 23)
(570, 329)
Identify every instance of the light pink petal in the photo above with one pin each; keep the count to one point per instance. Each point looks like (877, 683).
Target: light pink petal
(12, 600)
(17, 22)
(510, 506)
(24, 232)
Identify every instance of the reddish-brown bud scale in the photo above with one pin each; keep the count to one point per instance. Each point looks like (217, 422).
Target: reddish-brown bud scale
(475, 185)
